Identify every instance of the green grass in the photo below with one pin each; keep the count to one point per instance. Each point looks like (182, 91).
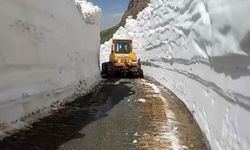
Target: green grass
(108, 34)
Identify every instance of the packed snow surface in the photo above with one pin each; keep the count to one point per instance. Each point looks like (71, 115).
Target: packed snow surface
(48, 55)
(200, 50)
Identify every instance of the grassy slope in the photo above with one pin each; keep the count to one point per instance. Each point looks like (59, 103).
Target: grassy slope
(108, 34)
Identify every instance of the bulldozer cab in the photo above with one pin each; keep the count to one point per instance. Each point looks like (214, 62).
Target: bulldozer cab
(122, 46)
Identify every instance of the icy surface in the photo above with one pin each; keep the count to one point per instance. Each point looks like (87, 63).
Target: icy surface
(200, 50)
(48, 55)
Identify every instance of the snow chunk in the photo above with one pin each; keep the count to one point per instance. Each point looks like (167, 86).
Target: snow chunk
(136, 134)
(135, 141)
(141, 100)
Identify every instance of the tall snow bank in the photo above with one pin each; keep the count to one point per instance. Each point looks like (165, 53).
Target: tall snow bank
(200, 50)
(91, 13)
(48, 55)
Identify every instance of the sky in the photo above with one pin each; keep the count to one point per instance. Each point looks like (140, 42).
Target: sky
(112, 11)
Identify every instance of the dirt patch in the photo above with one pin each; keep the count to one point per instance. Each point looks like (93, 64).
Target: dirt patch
(188, 131)
(152, 111)
(170, 124)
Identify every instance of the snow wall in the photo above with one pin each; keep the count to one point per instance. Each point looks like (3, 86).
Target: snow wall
(200, 50)
(48, 55)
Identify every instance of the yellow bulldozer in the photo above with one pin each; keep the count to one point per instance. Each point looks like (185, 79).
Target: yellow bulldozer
(122, 61)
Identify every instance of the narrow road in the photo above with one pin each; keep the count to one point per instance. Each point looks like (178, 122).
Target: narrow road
(119, 115)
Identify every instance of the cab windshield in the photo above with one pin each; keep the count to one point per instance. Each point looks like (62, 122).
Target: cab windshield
(122, 47)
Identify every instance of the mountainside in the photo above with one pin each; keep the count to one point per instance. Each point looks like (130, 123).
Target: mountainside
(134, 7)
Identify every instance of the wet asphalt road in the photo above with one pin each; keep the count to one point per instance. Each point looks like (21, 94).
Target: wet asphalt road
(119, 115)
